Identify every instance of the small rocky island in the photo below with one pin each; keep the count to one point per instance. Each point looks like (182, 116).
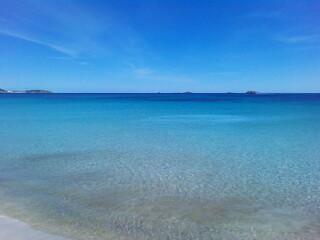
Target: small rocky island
(27, 91)
(252, 92)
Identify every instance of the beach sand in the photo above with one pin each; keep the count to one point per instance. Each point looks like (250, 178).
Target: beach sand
(11, 229)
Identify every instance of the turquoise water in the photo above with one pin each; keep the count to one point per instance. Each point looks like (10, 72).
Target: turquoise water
(162, 166)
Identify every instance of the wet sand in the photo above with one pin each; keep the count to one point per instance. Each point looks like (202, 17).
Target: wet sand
(11, 229)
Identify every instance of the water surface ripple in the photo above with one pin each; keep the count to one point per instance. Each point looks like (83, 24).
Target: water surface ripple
(162, 166)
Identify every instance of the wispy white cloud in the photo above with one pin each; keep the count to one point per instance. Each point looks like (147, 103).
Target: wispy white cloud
(143, 72)
(309, 48)
(66, 27)
(267, 15)
(57, 48)
(297, 39)
(222, 73)
(151, 74)
(73, 29)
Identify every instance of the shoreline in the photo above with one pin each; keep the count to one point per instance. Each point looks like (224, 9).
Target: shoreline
(14, 229)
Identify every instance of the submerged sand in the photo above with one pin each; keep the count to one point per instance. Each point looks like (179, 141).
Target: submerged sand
(16, 230)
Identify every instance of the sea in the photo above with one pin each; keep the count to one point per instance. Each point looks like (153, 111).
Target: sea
(162, 166)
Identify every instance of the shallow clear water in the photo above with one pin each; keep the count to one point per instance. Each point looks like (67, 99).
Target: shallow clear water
(168, 166)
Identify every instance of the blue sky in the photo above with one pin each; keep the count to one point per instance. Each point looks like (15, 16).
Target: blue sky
(166, 46)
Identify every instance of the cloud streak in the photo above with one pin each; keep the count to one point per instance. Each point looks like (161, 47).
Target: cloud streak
(297, 39)
(222, 73)
(57, 48)
(267, 15)
(150, 74)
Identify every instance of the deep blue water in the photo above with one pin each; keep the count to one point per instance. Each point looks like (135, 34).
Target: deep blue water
(162, 166)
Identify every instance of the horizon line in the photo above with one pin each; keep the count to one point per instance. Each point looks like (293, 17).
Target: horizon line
(185, 93)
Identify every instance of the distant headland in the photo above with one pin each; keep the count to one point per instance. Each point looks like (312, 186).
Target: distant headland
(27, 91)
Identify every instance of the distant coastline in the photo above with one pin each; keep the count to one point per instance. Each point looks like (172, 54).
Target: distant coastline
(27, 91)
(41, 91)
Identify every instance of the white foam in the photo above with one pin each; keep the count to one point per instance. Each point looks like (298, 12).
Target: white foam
(11, 229)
